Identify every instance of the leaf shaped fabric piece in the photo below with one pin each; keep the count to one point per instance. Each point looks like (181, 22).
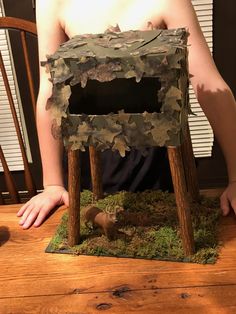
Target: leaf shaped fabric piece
(121, 146)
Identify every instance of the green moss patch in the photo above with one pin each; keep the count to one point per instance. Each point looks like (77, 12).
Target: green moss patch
(147, 227)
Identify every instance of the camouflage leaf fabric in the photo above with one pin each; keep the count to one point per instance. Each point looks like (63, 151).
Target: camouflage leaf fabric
(112, 55)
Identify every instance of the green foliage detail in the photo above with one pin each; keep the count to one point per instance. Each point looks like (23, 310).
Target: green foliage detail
(147, 228)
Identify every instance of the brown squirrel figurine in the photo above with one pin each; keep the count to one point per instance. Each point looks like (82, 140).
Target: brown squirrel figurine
(105, 221)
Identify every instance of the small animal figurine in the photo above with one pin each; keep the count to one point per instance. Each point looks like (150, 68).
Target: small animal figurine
(99, 218)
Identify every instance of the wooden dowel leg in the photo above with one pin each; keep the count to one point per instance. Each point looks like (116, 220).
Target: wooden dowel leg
(96, 172)
(74, 197)
(190, 167)
(179, 183)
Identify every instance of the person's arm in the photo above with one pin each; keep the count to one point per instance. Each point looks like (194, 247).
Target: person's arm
(50, 36)
(213, 94)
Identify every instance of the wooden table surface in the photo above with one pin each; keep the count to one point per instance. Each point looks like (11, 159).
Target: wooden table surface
(32, 281)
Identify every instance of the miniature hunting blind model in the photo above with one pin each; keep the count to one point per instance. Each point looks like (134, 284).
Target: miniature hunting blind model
(130, 89)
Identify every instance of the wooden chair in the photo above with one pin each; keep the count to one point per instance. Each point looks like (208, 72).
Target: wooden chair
(23, 27)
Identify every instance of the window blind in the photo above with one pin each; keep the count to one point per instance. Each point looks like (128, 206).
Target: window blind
(200, 129)
(8, 137)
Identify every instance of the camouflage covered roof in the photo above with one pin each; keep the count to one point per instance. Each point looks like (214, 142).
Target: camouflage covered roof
(105, 57)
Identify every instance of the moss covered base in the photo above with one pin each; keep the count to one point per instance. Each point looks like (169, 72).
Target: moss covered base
(147, 227)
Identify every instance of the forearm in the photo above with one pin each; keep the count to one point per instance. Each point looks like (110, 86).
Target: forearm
(220, 109)
(50, 149)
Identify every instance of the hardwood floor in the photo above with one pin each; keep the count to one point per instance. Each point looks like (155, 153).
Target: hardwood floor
(32, 281)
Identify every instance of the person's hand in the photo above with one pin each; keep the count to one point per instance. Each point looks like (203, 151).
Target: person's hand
(228, 199)
(38, 207)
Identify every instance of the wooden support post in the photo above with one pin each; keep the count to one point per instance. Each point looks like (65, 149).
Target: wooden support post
(179, 183)
(96, 172)
(74, 197)
(190, 169)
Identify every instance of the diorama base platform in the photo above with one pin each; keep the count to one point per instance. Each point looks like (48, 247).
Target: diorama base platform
(146, 227)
